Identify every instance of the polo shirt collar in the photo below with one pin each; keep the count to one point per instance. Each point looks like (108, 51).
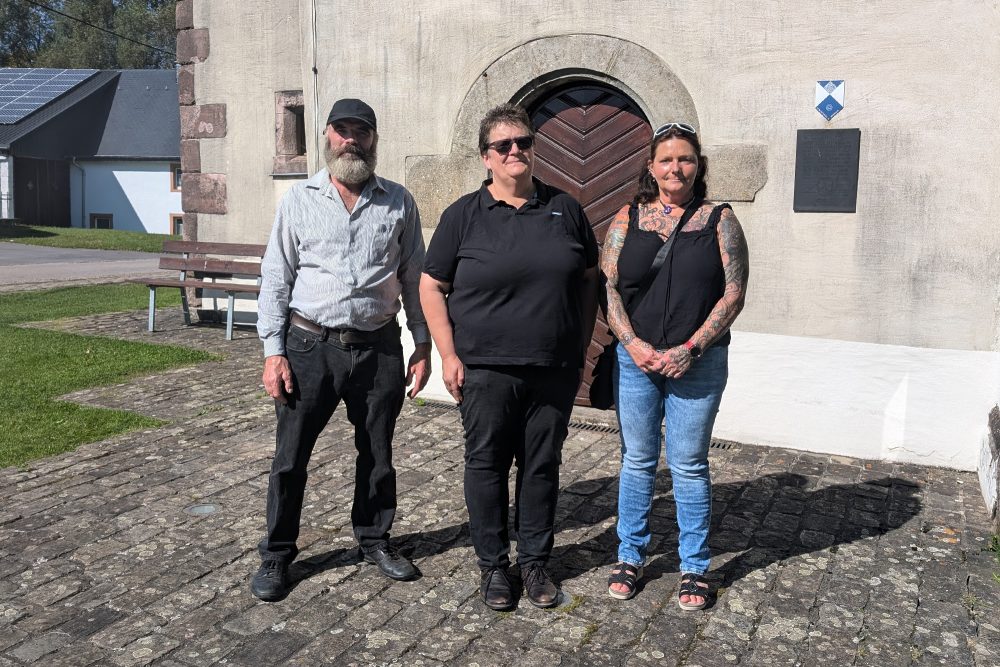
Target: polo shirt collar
(540, 197)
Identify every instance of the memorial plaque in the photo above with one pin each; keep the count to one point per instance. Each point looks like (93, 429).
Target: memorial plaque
(826, 171)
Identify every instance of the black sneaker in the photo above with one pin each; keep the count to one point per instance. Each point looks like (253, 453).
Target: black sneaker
(494, 585)
(540, 589)
(391, 563)
(270, 584)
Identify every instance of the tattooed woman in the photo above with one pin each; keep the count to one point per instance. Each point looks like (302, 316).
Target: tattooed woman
(673, 350)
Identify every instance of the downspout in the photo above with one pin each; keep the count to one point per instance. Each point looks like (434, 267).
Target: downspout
(317, 128)
(83, 193)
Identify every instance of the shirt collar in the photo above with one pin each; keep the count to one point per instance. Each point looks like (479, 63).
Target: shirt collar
(540, 197)
(321, 181)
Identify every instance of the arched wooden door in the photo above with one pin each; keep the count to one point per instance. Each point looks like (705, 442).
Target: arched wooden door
(592, 143)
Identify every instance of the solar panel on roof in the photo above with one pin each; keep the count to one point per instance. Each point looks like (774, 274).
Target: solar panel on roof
(24, 91)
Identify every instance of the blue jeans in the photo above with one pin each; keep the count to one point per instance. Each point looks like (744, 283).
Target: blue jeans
(689, 405)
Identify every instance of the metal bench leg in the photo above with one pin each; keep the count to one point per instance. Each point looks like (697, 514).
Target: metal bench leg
(229, 317)
(152, 307)
(185, 307)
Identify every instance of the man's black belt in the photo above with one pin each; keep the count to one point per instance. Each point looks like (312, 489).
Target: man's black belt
(346, 336)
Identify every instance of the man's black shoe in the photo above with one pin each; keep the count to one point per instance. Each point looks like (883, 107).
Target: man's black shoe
(390, 562)
(541, 591)
(270, 584)
(496, 590)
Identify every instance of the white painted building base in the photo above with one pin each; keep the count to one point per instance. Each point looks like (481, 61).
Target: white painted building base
(869, 401)
(888, 402)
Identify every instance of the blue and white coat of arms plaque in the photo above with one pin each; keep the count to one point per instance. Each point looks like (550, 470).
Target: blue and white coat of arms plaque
(829, 98)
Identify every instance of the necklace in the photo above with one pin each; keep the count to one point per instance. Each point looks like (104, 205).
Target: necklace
(667, 208)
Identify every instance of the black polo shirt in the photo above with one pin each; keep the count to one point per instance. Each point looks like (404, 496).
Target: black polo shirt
(516, 277)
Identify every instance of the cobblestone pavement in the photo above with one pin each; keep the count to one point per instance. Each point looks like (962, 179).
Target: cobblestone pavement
(819, 560)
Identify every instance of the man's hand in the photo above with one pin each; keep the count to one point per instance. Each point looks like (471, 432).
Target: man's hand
(278, 378)
(418, 369)
(454, 376)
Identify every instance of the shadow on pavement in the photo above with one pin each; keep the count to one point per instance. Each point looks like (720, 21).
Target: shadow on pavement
(762, 520)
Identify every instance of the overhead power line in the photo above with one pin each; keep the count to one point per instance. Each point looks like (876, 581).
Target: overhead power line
(87, 23)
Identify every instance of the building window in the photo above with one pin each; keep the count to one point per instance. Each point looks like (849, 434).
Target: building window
(177, 224)
(101, 221)
(289, 133)
(175, 177)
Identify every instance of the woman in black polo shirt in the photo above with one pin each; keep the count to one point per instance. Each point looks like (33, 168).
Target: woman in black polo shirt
(509, 293)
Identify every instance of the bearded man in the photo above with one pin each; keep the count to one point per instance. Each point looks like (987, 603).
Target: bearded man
(345, 248)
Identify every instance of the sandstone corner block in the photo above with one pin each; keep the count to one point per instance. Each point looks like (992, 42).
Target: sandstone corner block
(185, 85)
(207, 121)
(204, 193)
(190, 156)
(184, 15)
(192, 46)
(190, 227)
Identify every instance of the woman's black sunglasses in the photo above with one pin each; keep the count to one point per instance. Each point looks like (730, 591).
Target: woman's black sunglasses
(503, 146)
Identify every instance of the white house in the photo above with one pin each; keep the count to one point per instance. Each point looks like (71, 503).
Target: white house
(88, 148)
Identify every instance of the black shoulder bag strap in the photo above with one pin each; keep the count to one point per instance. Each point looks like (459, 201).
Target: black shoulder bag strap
(661, 255)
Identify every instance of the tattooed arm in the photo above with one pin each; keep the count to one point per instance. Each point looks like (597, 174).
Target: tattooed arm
(736, 266)
(642, 353)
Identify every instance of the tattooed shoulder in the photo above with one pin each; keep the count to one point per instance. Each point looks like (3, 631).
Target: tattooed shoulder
(700, 218)
(733, 245)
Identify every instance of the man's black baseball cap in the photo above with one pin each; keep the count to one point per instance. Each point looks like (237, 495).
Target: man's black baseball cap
(353, 110)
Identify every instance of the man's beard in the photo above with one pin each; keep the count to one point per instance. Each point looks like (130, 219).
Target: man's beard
(351, 164)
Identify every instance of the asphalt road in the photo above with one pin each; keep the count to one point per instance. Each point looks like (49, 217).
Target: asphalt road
(28, 266)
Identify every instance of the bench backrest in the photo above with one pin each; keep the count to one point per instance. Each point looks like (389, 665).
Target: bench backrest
(202, 248)
(183, 261)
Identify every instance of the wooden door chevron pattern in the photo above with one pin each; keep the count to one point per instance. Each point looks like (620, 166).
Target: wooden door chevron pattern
(591, 142)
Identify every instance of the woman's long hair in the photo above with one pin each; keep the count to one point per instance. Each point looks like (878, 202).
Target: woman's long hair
(648, 191)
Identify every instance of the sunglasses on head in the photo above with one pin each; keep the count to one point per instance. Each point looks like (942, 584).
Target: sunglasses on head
(503, 146)
(666, 127)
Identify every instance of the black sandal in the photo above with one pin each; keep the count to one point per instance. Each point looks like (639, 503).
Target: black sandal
(689, 586)
(627, 575)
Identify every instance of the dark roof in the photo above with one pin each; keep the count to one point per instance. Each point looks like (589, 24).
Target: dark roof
(25, 90)
(115, 114)
(11, 133)
(144, 120)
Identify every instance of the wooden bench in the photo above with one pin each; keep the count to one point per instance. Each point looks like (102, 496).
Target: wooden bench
(210, 276)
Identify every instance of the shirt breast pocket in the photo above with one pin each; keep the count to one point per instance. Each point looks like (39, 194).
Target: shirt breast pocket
(386, 239)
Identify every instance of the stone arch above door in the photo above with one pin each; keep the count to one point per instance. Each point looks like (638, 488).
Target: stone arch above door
(532, 69)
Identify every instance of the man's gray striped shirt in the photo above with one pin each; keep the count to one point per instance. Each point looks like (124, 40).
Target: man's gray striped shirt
(340, 269)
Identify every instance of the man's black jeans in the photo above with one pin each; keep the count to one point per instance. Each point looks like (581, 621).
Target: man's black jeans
(370, 380)
(514, 413)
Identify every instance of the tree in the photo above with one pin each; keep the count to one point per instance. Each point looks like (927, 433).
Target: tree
(23, 31)
(149, 21)
(73, 44)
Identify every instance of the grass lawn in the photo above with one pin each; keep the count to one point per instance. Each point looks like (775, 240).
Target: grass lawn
(36, 366)
(74, 237)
